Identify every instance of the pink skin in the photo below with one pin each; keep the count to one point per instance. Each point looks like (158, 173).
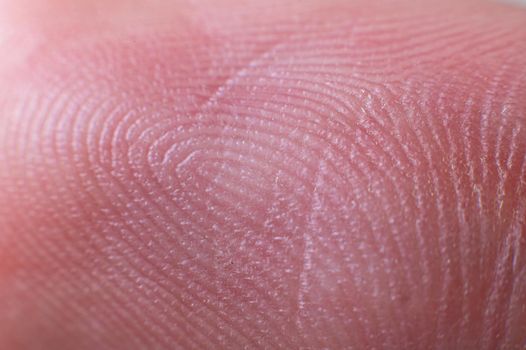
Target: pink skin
(316, 175)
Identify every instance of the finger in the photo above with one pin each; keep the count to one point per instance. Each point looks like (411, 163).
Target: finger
(240, 175)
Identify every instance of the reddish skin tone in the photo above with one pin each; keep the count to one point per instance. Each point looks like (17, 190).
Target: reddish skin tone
(234, 176)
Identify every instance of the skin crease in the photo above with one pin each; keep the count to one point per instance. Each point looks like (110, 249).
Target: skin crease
(262, 175)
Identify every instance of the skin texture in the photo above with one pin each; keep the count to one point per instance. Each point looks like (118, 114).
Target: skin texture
(261, 175)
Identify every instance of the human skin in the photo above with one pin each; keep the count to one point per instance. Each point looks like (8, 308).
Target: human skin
(262, 175)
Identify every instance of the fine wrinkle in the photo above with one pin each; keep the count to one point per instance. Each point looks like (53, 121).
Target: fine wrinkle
(308, 242)
(240, 73)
